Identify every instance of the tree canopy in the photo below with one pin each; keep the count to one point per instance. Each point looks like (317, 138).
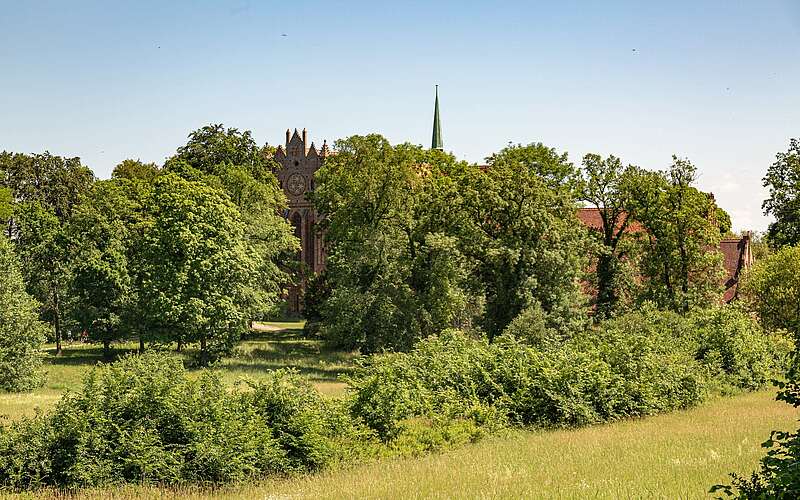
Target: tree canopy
(419, 241)
(783, 181)
(678, 261)
(21, 332)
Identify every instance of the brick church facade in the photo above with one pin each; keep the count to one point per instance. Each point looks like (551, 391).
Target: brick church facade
(299, 160)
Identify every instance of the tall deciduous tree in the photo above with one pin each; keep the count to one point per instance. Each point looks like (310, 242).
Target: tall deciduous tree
(136, 180)
(783, 181)
(44, 251)
(680, 264)
(231, 161)
(21, 332)
(531, 247)
(46, 189)
(102, 282)
(606, 186)
(395, 270)
(198, 270)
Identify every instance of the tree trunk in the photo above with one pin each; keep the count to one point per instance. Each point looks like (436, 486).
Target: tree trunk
(203, 351)
(684, 278)
(141, 344)
(107, 349)
(180, 346)
(57, 322)
(606, 296)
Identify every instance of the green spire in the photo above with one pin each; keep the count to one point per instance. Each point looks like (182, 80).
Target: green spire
(436, 143)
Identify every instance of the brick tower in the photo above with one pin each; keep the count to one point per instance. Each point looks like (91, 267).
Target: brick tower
(298, 162)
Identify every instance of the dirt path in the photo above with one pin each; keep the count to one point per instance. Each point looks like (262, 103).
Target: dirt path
(261, 327)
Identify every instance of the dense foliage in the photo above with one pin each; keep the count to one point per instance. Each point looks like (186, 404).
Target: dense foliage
(100, 258)
(680, 225)
(396, 270)
(142, 420)
(196, 266)
(21, 332)
(607, 186)
(783, 181)
(772, 289)
(643, 363)
(418, 242)
(102, 282)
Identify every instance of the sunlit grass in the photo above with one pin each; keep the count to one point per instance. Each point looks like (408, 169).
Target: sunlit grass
(271, 346)
(678, 455)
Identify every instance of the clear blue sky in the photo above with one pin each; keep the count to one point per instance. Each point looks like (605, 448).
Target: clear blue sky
(715, 81)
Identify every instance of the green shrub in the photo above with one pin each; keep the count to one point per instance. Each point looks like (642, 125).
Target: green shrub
(21, 332)
(531, 326)
(595, 377)
(736, 349)
(142, 420)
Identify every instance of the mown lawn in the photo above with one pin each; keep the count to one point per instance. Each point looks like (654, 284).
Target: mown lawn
(270, 346)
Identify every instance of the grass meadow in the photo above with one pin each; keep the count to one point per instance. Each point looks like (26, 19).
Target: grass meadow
(678, 455)
(270, 346)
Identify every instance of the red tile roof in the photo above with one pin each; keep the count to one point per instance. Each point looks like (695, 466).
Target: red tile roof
(737, 257)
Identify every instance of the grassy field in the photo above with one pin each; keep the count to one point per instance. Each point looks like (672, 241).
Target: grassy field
(678, 455)
(270, 346)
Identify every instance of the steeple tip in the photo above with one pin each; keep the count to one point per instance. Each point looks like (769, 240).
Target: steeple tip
(436, 141)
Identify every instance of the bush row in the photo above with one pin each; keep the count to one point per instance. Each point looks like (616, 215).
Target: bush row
(642, 363)
(144, 420)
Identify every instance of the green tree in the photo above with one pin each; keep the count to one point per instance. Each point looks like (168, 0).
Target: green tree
(606, 185)
(45, 254)
(395, 270)
(679, 267)
(46, 189)
(102, 284)
(530, 245)
(134, 180)
(197, 268)
(21, 332)
(56, 183)
(231, 161)
(772, 289)
(783, 181)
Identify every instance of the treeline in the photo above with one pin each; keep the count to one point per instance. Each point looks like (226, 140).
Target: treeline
(189, 252)
(419, 241)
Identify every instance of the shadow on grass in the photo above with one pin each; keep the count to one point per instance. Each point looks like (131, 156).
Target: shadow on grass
(289, 348)
(83, 356)
(258, 353)
(281, 335)
(314, 374)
